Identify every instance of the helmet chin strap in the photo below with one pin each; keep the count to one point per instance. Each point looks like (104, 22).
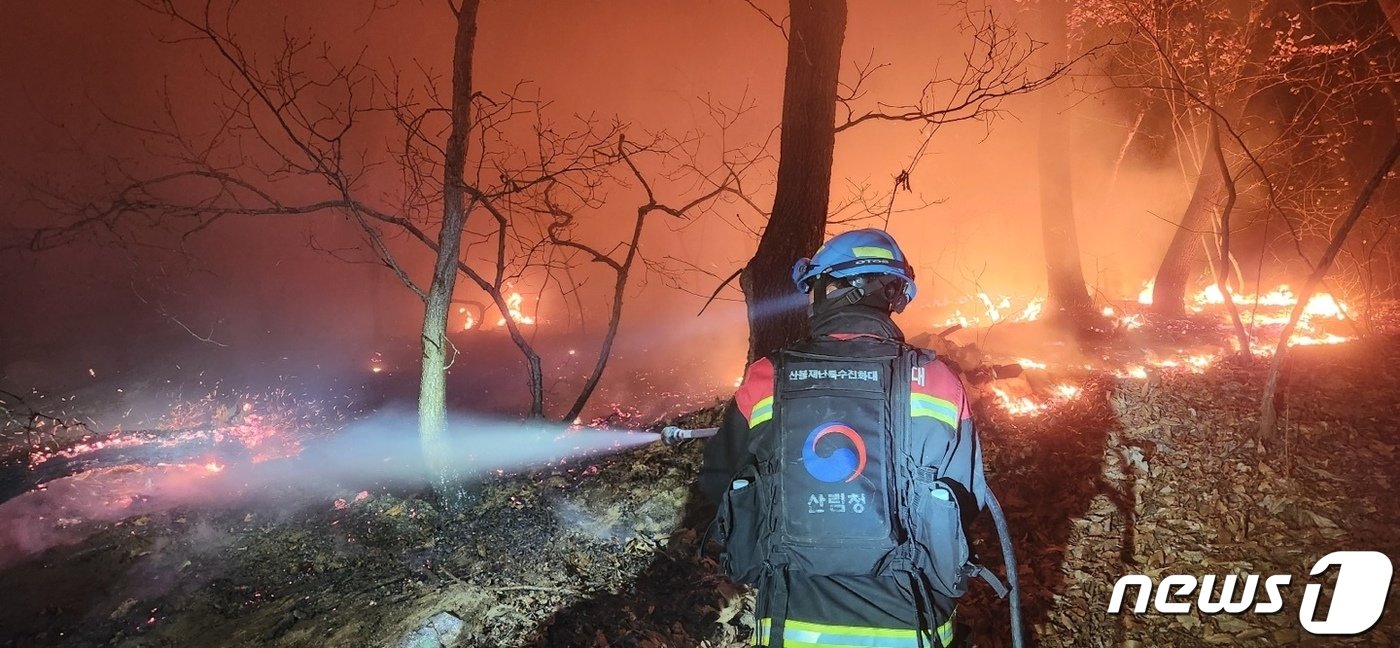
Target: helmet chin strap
(879, 292)
(839, 298)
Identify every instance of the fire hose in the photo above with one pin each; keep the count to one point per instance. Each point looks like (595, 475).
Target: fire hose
(672, 435)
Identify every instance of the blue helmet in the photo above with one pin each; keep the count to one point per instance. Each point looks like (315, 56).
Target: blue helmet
(858, 252)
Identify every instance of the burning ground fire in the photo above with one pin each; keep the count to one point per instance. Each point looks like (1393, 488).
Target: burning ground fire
(996, 311)
(266, 427)
(1263, 315)
(69, 484)
(1272, 309)
(514, 310)
(236, 448)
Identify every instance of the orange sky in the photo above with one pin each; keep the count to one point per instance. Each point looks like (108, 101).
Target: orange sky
(646, 62)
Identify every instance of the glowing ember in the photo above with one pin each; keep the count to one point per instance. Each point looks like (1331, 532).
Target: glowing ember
(1068, 391)
(1200, 361)
(1027, 363)
(213, 467)
(270, 425)
(1137, 372)
(1017, 405)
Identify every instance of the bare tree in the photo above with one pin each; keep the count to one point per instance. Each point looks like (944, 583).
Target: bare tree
(994, 68)
(1268, 420)
(432, 389)
(476, 180)
(1259, 81)
(1067, 295)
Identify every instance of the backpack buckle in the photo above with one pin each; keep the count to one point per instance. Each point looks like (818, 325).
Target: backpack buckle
(981, 571)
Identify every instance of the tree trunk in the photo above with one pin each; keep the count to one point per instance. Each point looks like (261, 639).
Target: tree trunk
(1184, 254)
(432, 393)
(798, 222)
(1222, 268)
(1268, 415)
(1067, 295)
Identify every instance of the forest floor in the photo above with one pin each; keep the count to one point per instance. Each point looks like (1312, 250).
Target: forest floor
(1154, 476)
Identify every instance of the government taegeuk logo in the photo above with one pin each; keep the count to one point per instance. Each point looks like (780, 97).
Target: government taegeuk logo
(843, 463)
(1358, 599)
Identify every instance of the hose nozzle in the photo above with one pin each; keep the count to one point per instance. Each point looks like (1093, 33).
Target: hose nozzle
(672, 435)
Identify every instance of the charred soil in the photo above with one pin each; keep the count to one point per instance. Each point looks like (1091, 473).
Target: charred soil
(1158, 475)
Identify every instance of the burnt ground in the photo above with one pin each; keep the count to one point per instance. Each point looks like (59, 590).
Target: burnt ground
(1153, 476)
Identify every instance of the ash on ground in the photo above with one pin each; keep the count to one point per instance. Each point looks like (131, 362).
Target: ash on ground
(1158, 475)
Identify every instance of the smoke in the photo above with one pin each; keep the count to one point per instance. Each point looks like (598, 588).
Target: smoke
(379, 451)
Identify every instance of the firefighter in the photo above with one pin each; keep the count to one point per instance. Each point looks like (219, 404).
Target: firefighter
(847, 468)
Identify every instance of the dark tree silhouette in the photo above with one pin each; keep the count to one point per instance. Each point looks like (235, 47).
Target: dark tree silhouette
(1067, 296)
(798, 220)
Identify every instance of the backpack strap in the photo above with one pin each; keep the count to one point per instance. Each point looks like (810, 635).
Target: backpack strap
(902, 424)
(923, 608)
(771, 610)
(986, 574)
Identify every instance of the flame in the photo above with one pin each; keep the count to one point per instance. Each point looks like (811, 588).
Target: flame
(1308, 340)
(513, 304)
(996, 310)
(1032, 311)
(1145, 295)
(1017, 405)
(1274, 307)
(1200, 362)
(1137, 372)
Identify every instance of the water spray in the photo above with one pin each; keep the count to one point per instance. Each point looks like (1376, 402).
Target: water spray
(128, 474)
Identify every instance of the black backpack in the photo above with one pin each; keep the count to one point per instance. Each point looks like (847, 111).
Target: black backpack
(834, 489)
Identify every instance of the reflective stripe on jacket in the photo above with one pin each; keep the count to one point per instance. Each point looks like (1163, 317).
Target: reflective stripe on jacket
(804, 634)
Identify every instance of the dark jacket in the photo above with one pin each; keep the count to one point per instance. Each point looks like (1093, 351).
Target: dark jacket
(853, 610)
